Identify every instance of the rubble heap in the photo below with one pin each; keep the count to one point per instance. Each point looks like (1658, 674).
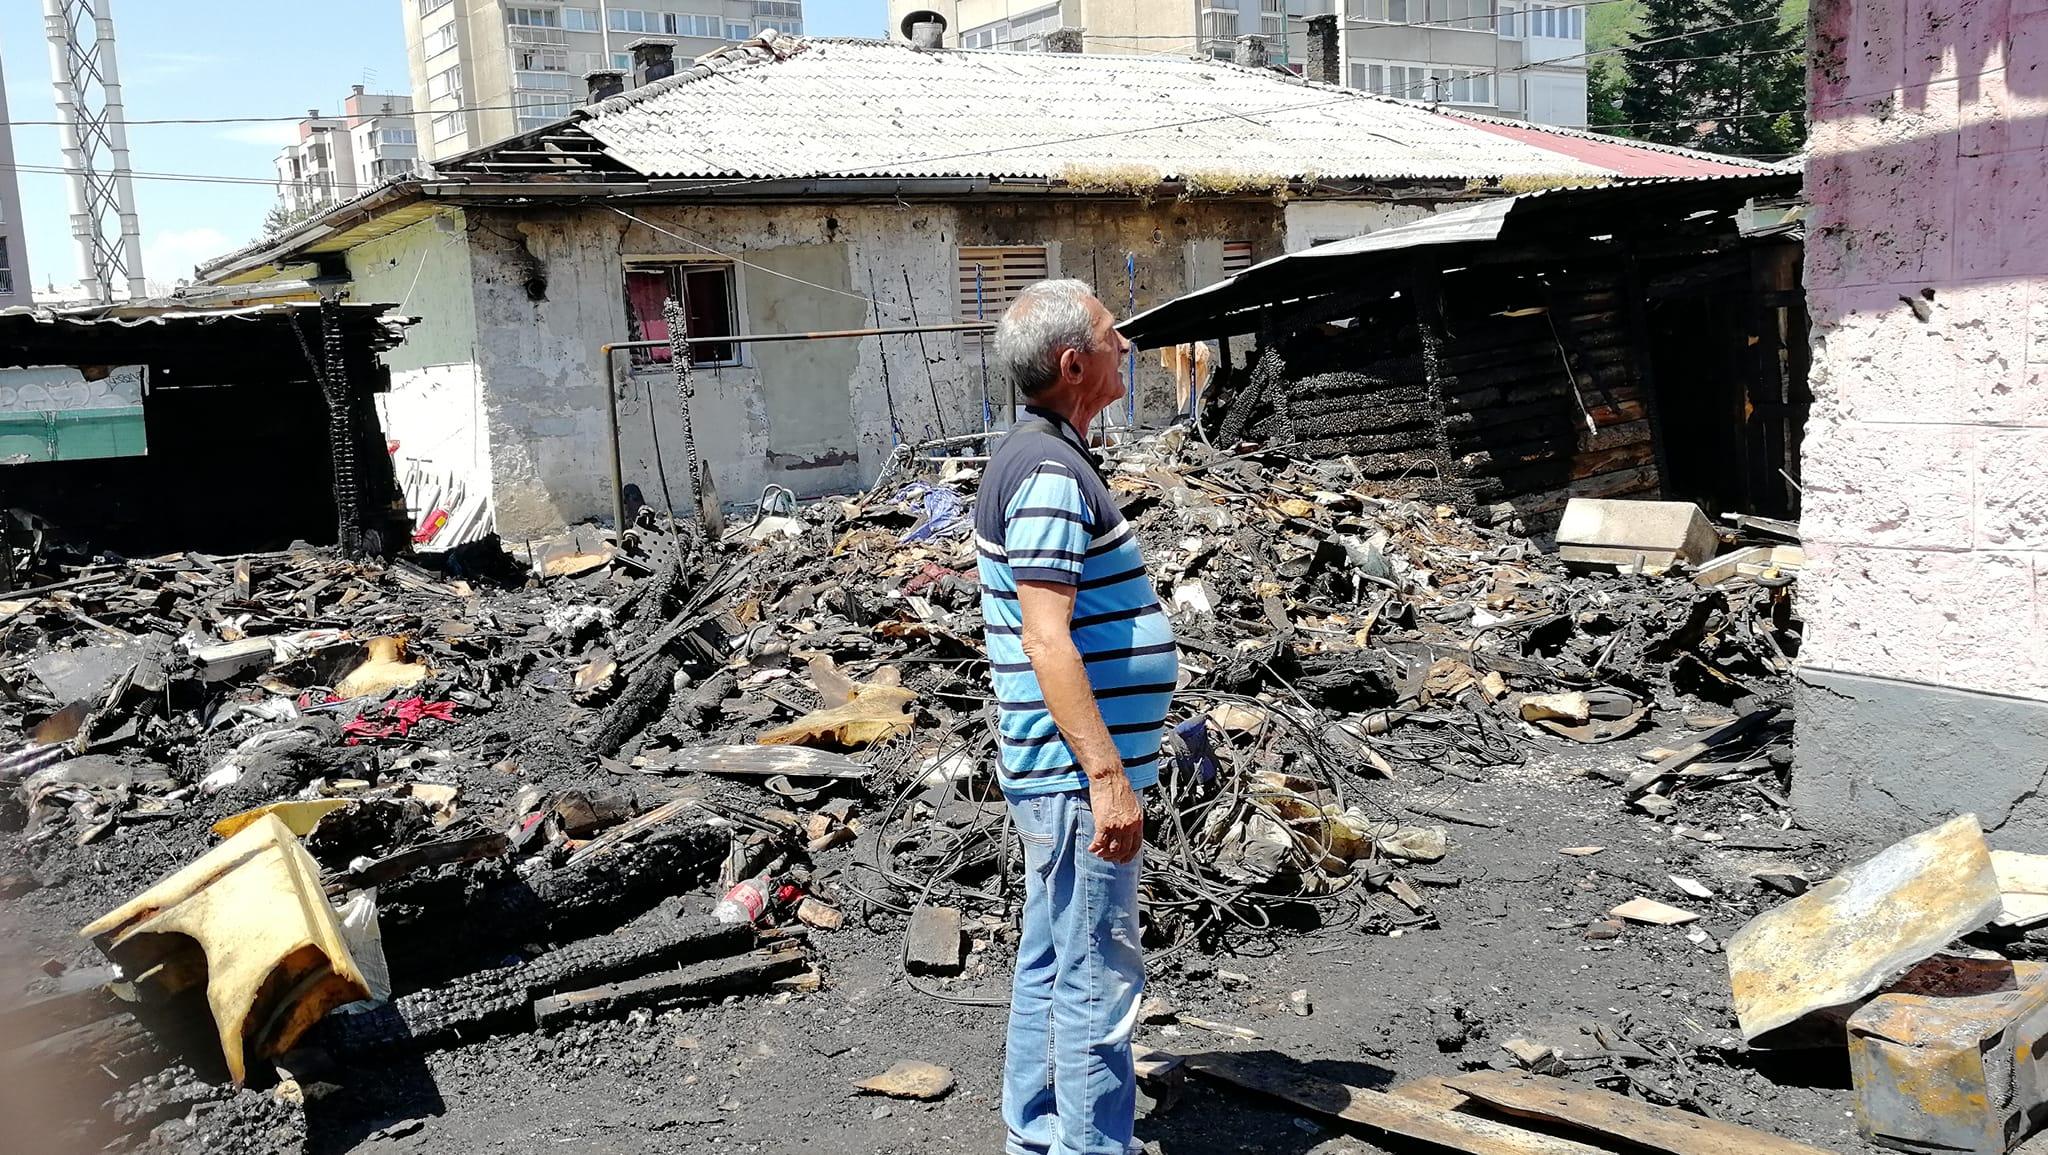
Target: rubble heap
(505, 792)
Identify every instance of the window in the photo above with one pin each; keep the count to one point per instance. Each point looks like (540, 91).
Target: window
(1219, 25)
(1383, 11)
(441, 39)
(781, 9)
(623, 62)
(397, 136)
(1475, 15)
(1004, 271)
(1557, 23)
(540, 59)
(705, 290)
(539, 111)
(427, 6)
(1020, 32)
(1423, 81)
(446, 83)
(1237, 257)
(581, 20)
(738, 31)
(534, 17)
(447, 124)
(543, 81)
(1510, 22)
(6, 269)
(691, 24)
(785, 27)
(635, 20)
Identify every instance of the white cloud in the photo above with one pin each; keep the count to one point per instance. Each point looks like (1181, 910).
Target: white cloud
(170, 255)
(275, 134)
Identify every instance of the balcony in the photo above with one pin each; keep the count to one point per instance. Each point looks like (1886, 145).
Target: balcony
(520, 34)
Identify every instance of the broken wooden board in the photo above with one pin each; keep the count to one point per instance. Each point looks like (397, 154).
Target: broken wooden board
(1615, 1116)
(1842, 939)
(761, 761)
(1290, 1082)
(2023, 881)
(1640, 909)
(1681, 758)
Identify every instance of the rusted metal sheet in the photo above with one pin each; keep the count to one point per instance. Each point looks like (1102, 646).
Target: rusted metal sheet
(1844, 938)
(1950, 1072)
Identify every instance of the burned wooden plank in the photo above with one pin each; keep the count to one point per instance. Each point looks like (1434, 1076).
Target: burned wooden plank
(702, 981)
(1646, 1124)
(499, 1000)
(1647, 778)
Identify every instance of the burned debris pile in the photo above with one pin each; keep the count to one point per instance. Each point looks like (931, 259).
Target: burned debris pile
(507, 794)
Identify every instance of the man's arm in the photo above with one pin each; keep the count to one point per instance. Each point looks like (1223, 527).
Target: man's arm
(1048, 608)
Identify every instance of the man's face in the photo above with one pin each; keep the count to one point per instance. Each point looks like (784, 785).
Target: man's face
(1098, 373)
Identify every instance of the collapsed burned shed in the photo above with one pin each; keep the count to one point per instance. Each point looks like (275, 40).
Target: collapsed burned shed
(1627, 340)
(151, 427)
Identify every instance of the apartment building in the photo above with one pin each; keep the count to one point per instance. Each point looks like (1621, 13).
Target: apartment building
(14, 280)
(483, 70)
(336, 157)
(1515, 58)
(1521, 59)
(1142, 27)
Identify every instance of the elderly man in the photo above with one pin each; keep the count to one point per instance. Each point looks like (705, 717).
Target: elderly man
(1084, 666)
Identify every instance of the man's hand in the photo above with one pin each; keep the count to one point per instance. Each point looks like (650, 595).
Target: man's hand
(1119, 820)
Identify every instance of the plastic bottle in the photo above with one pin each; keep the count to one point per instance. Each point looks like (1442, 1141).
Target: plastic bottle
(746, 902)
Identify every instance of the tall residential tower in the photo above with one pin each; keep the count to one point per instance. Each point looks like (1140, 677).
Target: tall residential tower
(483, 70)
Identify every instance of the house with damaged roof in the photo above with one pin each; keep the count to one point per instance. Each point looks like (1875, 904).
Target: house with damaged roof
(790, 185)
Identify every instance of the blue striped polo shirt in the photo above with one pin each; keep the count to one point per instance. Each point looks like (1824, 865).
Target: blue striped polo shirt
(1045, 514)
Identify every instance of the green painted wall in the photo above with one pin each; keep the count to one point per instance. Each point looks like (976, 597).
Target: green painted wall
(426, 269)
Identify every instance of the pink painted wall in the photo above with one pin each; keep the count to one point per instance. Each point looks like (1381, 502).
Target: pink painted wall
(1926, 457)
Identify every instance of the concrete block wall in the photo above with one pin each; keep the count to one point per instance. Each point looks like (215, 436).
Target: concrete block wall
(1926, 458)
(1926, 497)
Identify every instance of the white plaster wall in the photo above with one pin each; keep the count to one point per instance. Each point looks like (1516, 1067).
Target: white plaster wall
(543, 379)
(1925, 505)
(1310, 221)
(432, 415)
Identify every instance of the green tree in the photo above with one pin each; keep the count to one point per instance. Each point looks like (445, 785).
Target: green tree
(1605, 89)
(281, 217)
(1723, 75)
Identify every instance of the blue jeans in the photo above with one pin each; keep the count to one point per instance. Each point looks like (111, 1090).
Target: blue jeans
(1068, 1087)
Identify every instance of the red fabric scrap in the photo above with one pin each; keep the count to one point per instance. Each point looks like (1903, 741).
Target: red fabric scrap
(398, 719)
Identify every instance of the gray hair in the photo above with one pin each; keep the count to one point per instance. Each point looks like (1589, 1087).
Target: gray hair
(1045, 319)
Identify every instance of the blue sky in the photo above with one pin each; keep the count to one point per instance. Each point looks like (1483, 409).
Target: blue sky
(223, 58)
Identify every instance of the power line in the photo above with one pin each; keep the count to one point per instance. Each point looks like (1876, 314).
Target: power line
(1464, 21)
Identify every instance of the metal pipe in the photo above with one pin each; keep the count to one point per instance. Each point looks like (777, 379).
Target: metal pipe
(821, 335)
(611, 424)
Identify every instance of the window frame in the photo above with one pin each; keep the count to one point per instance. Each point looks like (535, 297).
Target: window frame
(1237, 257)
(678, 270)
(1010, 267)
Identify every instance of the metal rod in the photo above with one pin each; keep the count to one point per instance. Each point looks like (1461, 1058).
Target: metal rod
(822, 335)
(611, 424)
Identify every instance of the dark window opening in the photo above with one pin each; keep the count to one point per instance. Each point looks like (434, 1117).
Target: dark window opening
(706, 292)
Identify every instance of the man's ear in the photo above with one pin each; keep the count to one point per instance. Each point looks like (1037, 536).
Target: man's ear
(1070, 364)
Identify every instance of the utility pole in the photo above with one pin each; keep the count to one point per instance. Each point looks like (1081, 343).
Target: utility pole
(87, 87)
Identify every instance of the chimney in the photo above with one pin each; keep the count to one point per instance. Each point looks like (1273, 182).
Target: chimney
(1325, 65)
(357, 89)
(604, 83)
(1065, 39)
(926, 30)
(653, 58)
(1251, 51)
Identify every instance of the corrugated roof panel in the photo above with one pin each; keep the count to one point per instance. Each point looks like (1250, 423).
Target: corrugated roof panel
(862, 108)
(1633, 159)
